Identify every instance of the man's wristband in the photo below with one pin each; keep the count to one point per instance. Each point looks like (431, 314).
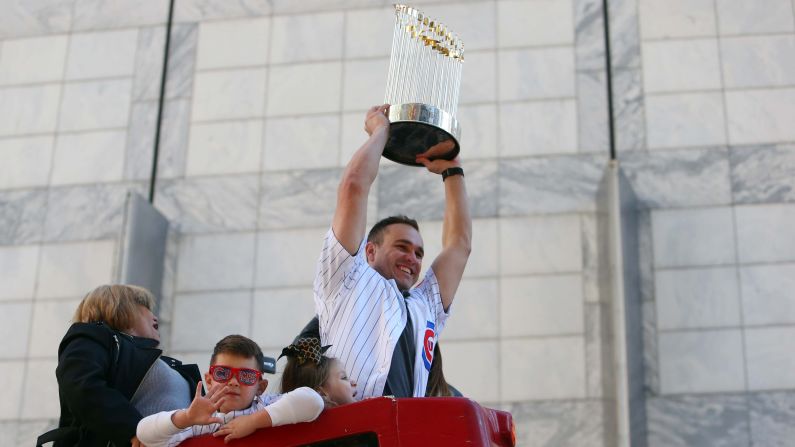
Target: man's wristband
(452, 171)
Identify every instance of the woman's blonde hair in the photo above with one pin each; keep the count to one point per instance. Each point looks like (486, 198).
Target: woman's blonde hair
(116, 305)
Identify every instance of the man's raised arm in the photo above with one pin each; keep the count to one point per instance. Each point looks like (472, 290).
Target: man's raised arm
(350, 217)
(456, 231)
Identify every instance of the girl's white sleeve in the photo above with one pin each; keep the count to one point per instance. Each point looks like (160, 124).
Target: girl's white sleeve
(299, 405)
(156, 430)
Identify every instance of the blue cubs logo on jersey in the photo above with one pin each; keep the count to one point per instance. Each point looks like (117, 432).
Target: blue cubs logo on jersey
(428, 342)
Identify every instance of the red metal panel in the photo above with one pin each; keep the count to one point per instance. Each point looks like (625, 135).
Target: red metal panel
(397, 422)
(451, 421)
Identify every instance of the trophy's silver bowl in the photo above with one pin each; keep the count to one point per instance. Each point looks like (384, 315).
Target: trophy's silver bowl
(415, 128)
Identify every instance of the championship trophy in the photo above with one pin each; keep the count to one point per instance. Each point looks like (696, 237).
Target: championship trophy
(422, 87)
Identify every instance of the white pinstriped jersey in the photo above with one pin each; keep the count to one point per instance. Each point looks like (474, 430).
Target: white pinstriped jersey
(361, 317)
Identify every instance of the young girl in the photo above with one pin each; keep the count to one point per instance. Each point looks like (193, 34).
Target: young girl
(308, 367)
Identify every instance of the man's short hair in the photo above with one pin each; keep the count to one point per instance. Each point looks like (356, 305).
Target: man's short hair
(240, 346)
(376, 234)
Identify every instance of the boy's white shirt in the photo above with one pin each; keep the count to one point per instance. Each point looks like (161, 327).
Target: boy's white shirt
(300, 405)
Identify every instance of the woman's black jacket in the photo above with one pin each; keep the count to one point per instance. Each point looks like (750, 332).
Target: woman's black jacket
(98, 372)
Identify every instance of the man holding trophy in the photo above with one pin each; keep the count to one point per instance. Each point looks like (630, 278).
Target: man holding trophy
(380, 322)
(381, 328)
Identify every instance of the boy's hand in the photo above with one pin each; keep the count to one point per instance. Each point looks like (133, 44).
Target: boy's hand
(243, 426)
(202, 408)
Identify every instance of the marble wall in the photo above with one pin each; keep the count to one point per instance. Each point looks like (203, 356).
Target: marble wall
(66, 90)
(707, 146)
(263, 106)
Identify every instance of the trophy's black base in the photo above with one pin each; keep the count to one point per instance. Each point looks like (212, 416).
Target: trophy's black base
(407, 139)
(419, 128)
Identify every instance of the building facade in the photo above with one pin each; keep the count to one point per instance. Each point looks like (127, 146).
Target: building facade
(263, 105)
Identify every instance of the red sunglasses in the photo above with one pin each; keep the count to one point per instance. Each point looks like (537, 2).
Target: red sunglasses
(245, 376)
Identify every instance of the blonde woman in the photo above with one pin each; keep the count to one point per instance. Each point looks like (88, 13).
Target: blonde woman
(111, 373)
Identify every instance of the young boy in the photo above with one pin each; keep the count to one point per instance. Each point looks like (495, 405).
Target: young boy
(234, 405)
